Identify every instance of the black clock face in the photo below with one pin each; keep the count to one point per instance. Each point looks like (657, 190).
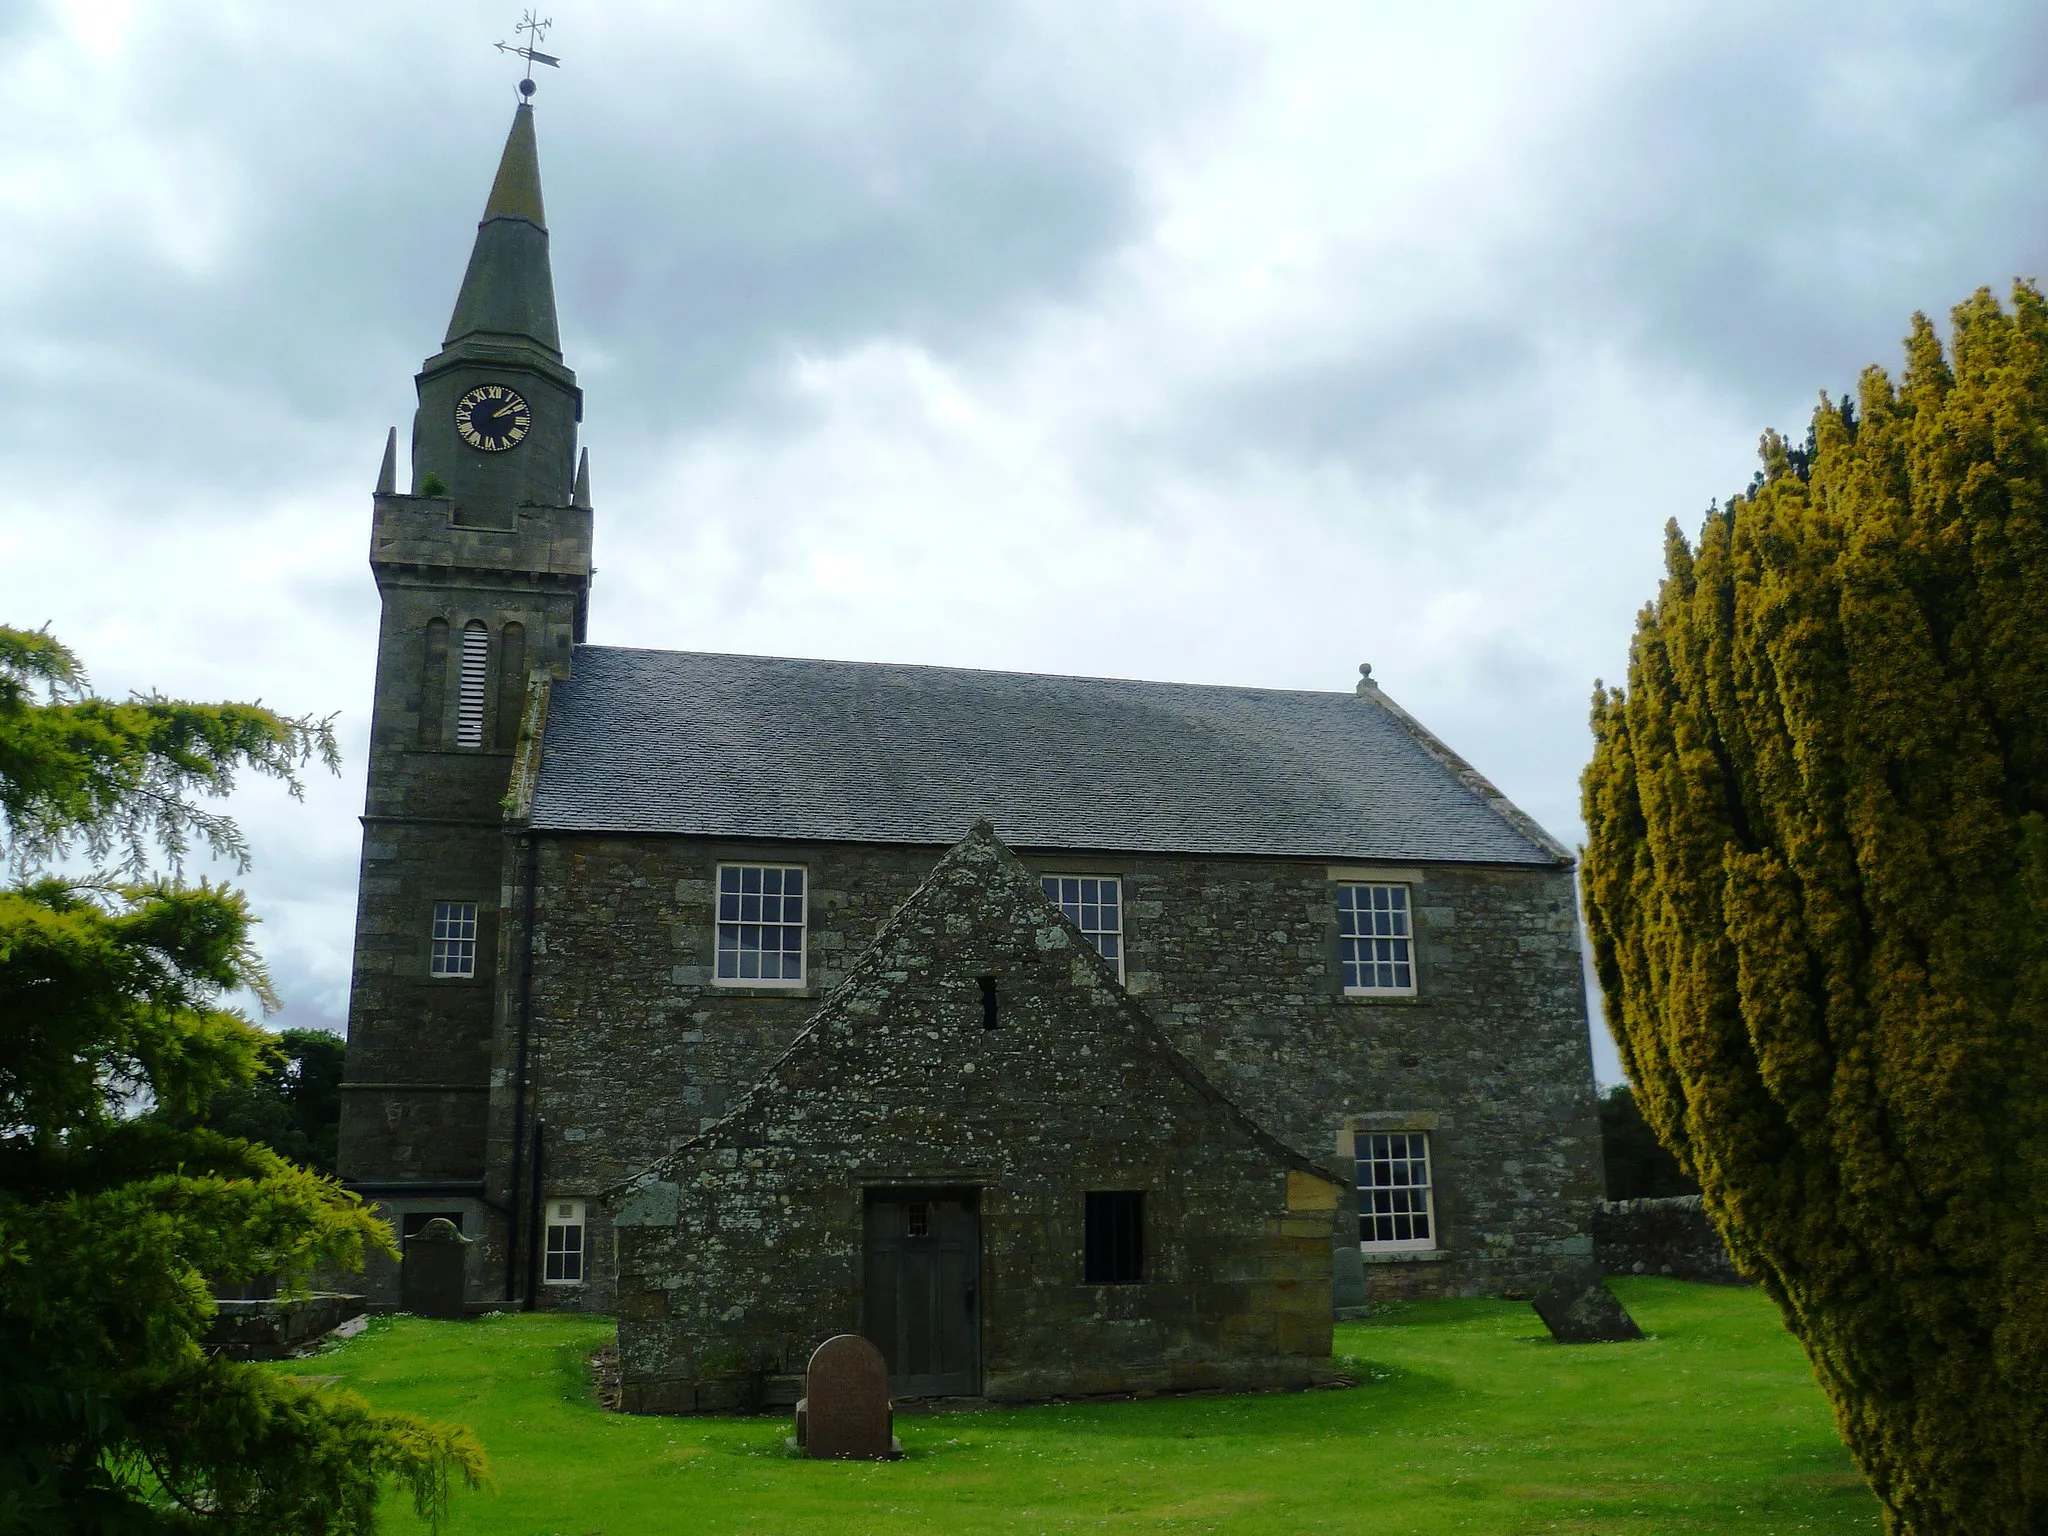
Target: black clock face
(493, 418)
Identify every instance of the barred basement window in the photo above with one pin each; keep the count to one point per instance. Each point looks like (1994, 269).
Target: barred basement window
(454, 939)
(563, 1263)
(760, 925)
(1114, 1253)
(1374, 939)
(1395, 1205)
(469, 708)
(1096, 906)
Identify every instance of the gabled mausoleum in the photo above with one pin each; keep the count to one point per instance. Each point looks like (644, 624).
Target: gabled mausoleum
(981, 1155)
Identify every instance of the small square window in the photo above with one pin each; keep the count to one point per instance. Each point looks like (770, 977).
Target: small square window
(1396, 1205)
(454, 954)
(1095, 905)
(760, 925)
(1114, 1252)
(1375, 940)
(563, 1264)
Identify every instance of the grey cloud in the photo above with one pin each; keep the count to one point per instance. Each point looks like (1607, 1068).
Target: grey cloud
(706, 223)
(1764, 202)
(1754, 204)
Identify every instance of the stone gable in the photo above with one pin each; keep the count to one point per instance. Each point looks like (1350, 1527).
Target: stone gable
(979, 1050)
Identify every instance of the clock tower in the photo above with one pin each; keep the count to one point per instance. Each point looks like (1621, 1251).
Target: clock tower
(482, 562)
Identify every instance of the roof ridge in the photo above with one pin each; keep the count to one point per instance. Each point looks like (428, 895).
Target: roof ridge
(940, 666)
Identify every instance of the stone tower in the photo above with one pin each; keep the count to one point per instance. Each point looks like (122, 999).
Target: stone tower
(483, 567)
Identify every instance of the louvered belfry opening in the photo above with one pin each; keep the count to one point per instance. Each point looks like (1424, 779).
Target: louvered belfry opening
(469, 711)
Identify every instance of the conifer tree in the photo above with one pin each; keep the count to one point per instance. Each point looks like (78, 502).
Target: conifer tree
(113, 1417)
(1816, 884)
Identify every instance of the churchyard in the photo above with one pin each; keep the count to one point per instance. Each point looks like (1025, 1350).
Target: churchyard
(1465, 1418)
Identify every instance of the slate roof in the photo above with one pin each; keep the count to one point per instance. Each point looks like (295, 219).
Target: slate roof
(684, 742)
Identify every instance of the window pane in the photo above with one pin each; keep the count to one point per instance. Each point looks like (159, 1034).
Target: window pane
(760, 923)
(1373, 938)
(1092, 903)
(1393, 1189)
(452, 949)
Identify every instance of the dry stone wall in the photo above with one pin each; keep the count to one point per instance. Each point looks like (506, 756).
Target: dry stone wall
(1672, 1237)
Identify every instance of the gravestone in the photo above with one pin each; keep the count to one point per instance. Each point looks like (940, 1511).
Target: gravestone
(433, 1280)
(845, 1413)
(1578, 1308)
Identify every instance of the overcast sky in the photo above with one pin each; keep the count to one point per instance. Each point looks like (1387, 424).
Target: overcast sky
(1232, 343)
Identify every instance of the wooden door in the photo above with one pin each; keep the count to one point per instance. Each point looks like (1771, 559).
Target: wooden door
(923, 1278)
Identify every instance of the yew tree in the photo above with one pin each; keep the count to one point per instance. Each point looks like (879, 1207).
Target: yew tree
(1816, 883)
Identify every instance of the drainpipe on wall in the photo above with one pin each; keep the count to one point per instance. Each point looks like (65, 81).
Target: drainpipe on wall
(519, 1075)
(540, 1126)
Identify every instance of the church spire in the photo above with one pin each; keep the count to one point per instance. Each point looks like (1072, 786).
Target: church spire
(508, 293)
(496, 428)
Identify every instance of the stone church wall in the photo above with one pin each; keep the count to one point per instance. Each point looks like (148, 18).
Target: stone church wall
(743, 1251)
(635, 1050)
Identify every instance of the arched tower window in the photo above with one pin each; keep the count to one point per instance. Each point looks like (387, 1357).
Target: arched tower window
(469, 708)
(433, 682)
(511, 682)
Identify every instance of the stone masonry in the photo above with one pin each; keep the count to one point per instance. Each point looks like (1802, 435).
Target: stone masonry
(742, 1249)
(1235, 958)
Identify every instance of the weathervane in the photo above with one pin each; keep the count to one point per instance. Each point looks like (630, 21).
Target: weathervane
(536, 31)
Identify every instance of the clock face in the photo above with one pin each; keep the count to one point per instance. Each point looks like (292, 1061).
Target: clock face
(493, 418)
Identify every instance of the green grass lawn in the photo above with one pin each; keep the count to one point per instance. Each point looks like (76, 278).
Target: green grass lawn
(1466, 1418)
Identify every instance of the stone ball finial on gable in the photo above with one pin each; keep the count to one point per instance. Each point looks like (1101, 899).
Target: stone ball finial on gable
(1365, 682)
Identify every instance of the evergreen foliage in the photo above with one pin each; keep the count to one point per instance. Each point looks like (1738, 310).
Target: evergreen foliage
(1817, 889)
(1637, 1166)
(293, 1106)
(106, 776)
(112, 1417)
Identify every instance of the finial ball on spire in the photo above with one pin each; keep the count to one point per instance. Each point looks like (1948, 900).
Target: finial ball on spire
(526, 89)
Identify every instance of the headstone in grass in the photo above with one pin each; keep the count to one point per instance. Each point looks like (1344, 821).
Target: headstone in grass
(432, 1280)
(1578, 1308)
(844, 1414)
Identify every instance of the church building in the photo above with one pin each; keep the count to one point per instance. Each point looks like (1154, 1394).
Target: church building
(1059, 1034)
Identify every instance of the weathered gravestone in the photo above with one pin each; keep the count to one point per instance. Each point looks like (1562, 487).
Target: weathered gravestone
(845, 1413)
(1578, 1308)
(432, 1282)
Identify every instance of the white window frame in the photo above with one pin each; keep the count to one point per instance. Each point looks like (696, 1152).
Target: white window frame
(1054, 885)
(453, 945)
(1392, 926)
(469, 694)
(1401, 1203)
(738, 923)
(560, 1254)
